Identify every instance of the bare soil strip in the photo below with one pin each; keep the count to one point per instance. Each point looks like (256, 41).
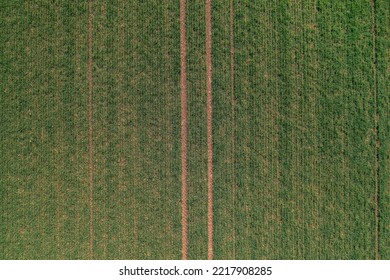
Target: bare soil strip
(184, 128)
(374, 32)
(209, 131)
(233, 121)
(90, 29)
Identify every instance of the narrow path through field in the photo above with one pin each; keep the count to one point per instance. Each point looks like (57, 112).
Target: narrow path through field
(90, 29)
(209, 131)
(233, 121)
(376, 118)
(184, 129)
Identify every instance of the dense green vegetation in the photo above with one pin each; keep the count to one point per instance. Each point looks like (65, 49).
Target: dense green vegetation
(197, 130)
(44, 131)
(382, 18)
(300, 134)
(137, 152)
(44, 148)
(304, 132)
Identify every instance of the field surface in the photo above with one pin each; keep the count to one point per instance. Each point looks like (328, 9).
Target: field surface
(231, 129)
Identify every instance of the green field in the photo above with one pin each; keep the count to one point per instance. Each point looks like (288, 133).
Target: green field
(301, 131)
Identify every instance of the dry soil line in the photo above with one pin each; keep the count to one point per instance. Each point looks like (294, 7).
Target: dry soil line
(210, 228)
(184, 128)
(233, 120)
(376, 119)
(90, 29)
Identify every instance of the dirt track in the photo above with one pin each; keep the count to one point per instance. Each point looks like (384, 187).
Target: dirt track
(90, 30)
(209, 131)
(184, 129)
